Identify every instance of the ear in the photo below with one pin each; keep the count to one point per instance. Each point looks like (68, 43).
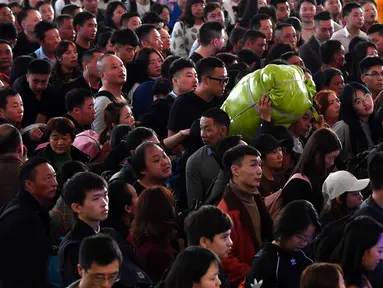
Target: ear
(144, 43)
(338, 200)
(223, 130)
(363, 78)
(76, 110)
(76, 207)
(2, 112)
(101, 74)
(29, 184)
(80, 270)
(77, 28)
(128, 209)
(234, 170)
(203, 242)
(174, 81)
(131, 152)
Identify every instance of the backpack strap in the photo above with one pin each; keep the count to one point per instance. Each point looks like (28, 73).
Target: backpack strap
(299, 176)
(106, 94)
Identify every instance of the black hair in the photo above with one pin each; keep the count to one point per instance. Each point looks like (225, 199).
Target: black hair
(210, 31)
(219, 117)
(14, 4)
(167, 64)
(295, 219)
(20, 67)
(187, 17)
(103, 39)
(328, 74)
(192, 264)
(129, 15)
(278, 51)
(10, 138)
(369, 62)
(224, 145)
(28, 169)
(39, 66)
(286, 56)
(88, 54)
(255, 22)
(109, 13)
(144, 30)
(278, 62)
(161, 87)
(69, 9)
(100, 249)
(119, 134)
(235, 155)
(125, 37)
(68, 170)
(236, 35)
(76, 97)
(251, 8)
(41, 3)
(248, 56)
(322, 16)
(151, 17)
(375, 166)
(5, 93)
(227, 58)
(8, 31)
(23, 14)
(141, 60)
(328, 50)
(206, 66)
(59, 20)
(357, 55)
(81, 18)
(208, 221)
(295, 22)
(252, 35)
(308, 1)
(209, 7)
(138, 159)
(377, 27)
(41, 28)
(75, 188)
(348, 7)
(276, 2)
(360, 235)
(158, 8)
(269, 10)
(137, 136)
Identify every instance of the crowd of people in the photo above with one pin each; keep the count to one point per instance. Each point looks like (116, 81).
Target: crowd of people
(119, 169)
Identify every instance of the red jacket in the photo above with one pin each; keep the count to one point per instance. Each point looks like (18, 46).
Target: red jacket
(238, 263)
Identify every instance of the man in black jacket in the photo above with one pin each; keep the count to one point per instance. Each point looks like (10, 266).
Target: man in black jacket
(24, 227)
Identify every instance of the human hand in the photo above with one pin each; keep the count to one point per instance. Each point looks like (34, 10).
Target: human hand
(264, 107)
(36, 134)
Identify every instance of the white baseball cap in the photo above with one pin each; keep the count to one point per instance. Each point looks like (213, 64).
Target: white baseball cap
(340, 182)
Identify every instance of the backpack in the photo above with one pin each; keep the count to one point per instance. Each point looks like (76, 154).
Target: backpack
(106, 94)
(273, 202)
(88, 143)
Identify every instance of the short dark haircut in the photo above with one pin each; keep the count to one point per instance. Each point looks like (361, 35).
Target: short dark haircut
(248, 56)
(209, 7)
(23, 14)
(208, 221)
(61, 125)
(5, 93)
(125, 37)
(369, 62)
(39, 66)
(137, 136)
(377, 27)
(206, 66)
(210, 31)
(286, 56)
(348, 7)
(375, 166)
(161, 87)
(328, 74)
(128, 15)
(61, 19)
(269, 10)
(100, 249)
(276, 2)
(76, 97)
(69, 9)
(255, 22)
(144, 30)
(75, 188)
(253, 35)
(103, 39)
(8, 31)
(41, 28)
(165, 67)
(235, 155)
(10, 139)
(28, 169)
(219, 117)
(294, 219)
(138, 158)
(14, 4)
(41, 3)
(227, 58)
(68, 170)
(81, 18)
(236, 35)
(308, 1)
(328, 50)
(322, 16)
(88, 54)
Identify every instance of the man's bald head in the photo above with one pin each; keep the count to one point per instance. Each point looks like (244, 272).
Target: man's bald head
(102, 61)
(10, 139)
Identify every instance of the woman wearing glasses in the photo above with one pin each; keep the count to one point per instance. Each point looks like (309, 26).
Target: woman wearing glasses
(281, 262)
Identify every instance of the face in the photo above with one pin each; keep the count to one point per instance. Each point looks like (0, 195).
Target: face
(69, 58)
(133, 23)
(324, 30)
(258, 46)
(217, 82)
(197, 10)
(354, 199)
(307, 12)
(165, 38)
(95, 207)
(118, 12)
(88, 30)
(261, 3)
(336, 84)
(249, 173)
(91, 6)
(14, 109)
(31, 20)
(44, 186)
(333, 6)
(158, 165)
(100, 276)
(114, 71)
(126, 116)
(296, 60)
(300, 240)
(6, 56)
(274, 159)
(283, 11)
(186, 80)
(377, 39)
(340, 57)
(370, 13)
(216, 15)
(165, 15)
(373, 79)
(373, 256)
(38, 82)
(355, 19)
(371, 51)
(66, 30)
(154, 68)
(60, 143)
(154, 40)
(86, 112)
(210, 279)
(126, 53)
(329, 159)
(289, 36)
(47, 12)
(267, 29)
(211, 133)
(363, 104)
(294, 5)
(221, 244)
(219, 42)
(6, 15)
(304, 124)
(332, 112)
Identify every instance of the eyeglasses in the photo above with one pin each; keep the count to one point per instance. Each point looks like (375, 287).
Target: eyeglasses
(303, 238)
(101, 278)
(222, 81)
(375, 74)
